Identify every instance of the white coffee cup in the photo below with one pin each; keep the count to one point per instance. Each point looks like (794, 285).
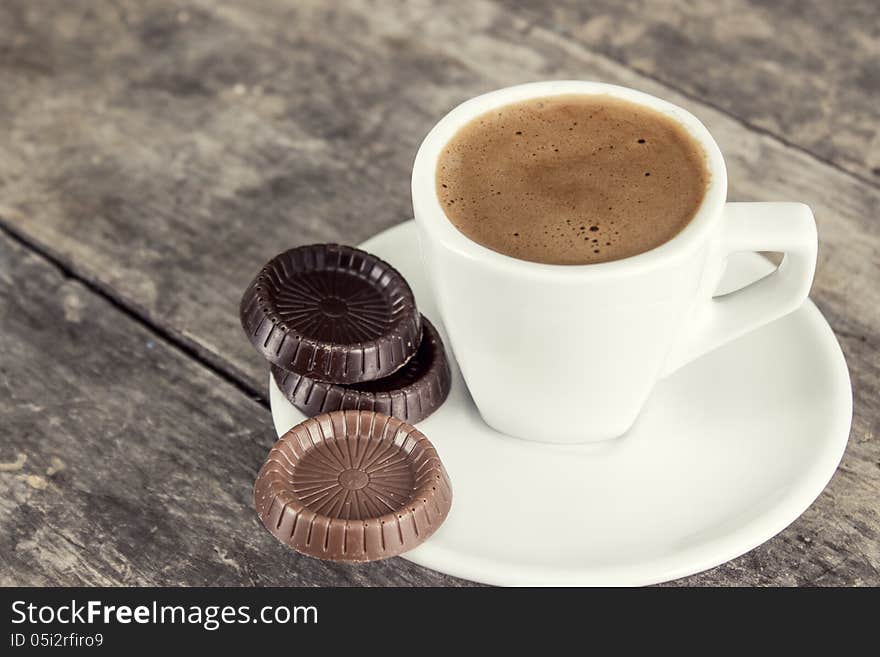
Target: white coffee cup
(570, 353)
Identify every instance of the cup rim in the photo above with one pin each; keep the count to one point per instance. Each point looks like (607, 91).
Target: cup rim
(429, 213)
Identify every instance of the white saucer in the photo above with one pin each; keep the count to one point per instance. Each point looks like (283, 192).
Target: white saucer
(727, 453)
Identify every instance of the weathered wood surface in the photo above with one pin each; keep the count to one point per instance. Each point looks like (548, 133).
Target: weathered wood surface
(807, 72)
(124, 461)
(163, 152)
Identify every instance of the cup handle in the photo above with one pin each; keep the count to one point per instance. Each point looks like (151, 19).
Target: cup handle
(714, 321)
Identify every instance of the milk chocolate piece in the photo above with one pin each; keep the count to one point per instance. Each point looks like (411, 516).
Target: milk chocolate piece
(352, 486)
(411, 393)
(331, 313)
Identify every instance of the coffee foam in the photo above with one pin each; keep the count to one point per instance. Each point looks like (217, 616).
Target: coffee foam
(571, 179)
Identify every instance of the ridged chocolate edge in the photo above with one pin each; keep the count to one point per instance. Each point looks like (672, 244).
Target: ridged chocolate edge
(322, 360)
(412, 403)
(335, 539)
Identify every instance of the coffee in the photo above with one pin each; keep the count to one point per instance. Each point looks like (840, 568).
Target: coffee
(571, 179)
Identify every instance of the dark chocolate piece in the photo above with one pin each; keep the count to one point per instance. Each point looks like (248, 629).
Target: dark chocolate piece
(411, 393)
(352, 486)
(332, 313)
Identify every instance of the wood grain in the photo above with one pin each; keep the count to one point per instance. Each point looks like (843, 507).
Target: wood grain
(751, 59)
(123, 462)
(164, 152)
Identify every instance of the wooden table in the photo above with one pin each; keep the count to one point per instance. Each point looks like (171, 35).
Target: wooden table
(153, 155)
